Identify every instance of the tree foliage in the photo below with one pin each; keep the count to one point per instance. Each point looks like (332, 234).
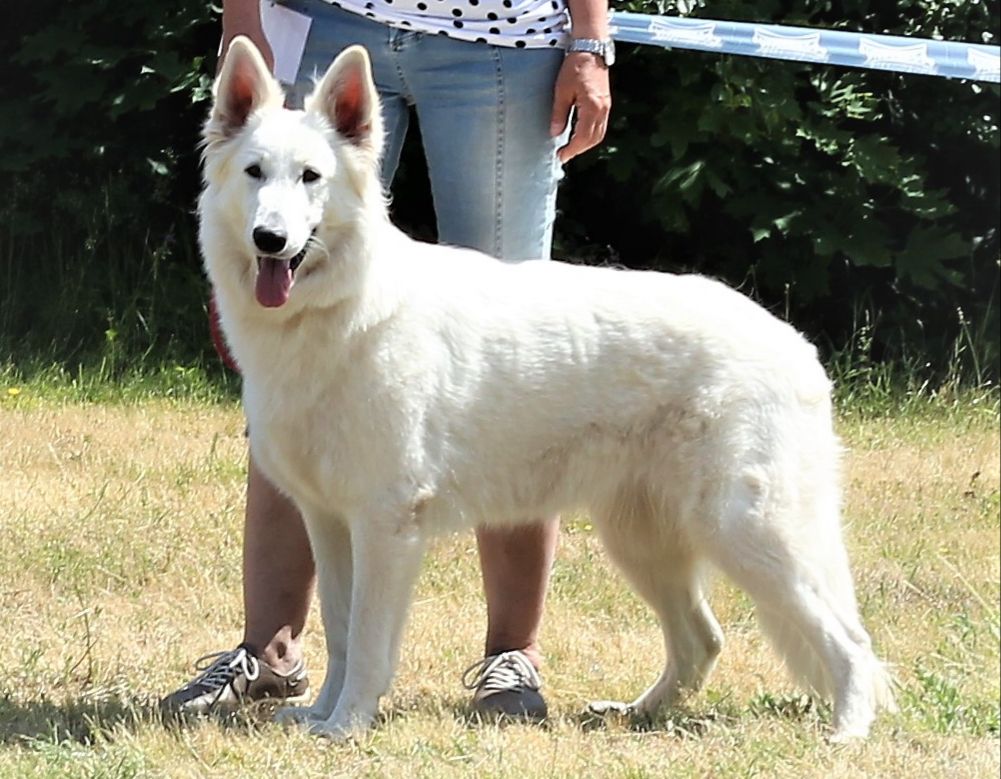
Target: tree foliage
(103, 90)
(825, 191)
(103, 102)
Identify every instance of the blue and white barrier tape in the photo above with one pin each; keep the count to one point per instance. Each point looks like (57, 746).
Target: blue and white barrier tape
(973, 61)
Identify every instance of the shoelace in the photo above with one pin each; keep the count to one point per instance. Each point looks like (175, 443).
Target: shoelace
(220, 668)
(506, 671)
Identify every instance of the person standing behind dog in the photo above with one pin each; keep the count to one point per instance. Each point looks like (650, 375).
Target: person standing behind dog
(494, 85)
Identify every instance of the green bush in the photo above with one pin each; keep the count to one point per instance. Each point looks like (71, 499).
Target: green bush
(99, 168)
(831, 193)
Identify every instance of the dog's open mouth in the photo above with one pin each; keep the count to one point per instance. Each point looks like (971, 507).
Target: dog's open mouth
(275, 276)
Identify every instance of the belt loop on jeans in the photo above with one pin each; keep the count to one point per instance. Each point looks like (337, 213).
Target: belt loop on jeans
(399, 37)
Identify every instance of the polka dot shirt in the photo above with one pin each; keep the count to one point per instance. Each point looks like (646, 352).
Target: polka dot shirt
(518, 23)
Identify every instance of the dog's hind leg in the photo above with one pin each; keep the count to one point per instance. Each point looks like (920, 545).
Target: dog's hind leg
(693, 640)
(330, 542)
(669, 579)
(797, 573)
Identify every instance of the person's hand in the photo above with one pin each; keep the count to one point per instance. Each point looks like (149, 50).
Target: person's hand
(582, 83)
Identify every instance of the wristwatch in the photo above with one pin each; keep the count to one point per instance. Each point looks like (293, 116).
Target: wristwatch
(604, 49)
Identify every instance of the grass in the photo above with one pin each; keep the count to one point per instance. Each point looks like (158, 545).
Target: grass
(120, 564)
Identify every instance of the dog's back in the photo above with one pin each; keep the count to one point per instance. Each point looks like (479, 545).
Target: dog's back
(518, 390)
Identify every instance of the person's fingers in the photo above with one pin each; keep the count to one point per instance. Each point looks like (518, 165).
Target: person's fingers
(563, 100)
(581, 91)
(589, 128)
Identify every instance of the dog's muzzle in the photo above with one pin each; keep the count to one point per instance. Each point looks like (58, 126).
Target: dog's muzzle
(275, 276)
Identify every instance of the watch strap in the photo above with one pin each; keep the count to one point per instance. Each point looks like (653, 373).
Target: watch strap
(601, 48)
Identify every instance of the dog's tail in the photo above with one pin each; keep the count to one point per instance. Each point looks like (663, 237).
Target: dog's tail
(806, 668)
(819, 571)
(802, 659)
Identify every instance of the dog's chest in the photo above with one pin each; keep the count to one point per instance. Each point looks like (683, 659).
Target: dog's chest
(327, 431)
(298, 453)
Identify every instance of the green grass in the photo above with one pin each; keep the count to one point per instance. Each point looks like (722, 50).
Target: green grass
(100, 382)
(122, 502)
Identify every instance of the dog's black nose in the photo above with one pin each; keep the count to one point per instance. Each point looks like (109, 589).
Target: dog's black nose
(269, 242)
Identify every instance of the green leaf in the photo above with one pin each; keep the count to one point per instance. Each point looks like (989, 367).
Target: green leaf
(928, 249)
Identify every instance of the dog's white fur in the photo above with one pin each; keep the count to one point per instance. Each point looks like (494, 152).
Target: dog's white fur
(404, 389)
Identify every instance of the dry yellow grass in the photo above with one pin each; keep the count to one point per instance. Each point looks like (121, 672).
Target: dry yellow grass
(120, 564)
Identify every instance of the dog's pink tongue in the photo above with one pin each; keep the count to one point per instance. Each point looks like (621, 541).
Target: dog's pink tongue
(274, 280)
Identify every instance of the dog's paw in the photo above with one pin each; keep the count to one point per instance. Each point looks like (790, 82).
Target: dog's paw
(611, 708)
(335, 733)
(848, 736)
(299, 715)
(340, 728)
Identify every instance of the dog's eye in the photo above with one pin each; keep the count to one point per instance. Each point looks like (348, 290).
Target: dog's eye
(254, 171)
(309, 176)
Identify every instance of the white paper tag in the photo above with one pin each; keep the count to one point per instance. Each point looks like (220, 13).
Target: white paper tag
(286, 31)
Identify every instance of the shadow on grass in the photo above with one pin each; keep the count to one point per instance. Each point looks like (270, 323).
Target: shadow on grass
(87, 721)
(76, 720)
(680, 722)
(675, 721)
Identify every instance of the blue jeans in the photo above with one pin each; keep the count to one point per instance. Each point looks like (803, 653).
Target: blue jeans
(484, 118)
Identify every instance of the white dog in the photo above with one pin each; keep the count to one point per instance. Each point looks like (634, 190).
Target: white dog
(397, 389)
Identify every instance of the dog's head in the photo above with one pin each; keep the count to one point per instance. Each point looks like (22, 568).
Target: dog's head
(286, 192)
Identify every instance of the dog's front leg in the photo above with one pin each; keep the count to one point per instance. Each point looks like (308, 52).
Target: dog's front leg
(330, 542)
(387, 558)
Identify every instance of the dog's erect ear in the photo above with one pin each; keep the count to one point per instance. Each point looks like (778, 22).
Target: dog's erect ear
(243, 86)
(346, 95)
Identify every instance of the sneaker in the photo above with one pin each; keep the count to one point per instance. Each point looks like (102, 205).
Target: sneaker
(230, 679)
(506, 684)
